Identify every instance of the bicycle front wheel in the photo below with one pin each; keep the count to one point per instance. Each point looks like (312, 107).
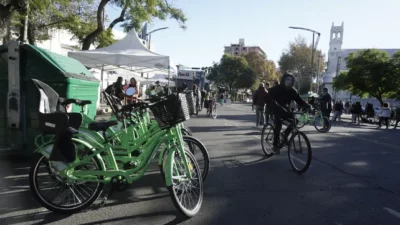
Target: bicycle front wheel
(200, 152)
(214, 112)
(299, 152)
(186, 194)
(186, 131)
(267, 139)
(322, 124)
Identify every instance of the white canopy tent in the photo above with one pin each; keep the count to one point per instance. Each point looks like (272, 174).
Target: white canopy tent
(128, 53)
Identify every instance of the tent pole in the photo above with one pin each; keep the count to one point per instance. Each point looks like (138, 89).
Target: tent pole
(168, 76)
(101, 83)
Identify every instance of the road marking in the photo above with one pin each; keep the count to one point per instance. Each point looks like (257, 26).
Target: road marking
(373, 141)
(393, 212)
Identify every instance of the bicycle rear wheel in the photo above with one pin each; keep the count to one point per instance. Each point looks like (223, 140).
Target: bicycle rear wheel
(200, 152)
(186, 194)
(322, 124)
(60, 191)
(299, 152)
(267, 138)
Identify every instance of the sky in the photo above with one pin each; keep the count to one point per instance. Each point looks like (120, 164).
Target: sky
(213, 24)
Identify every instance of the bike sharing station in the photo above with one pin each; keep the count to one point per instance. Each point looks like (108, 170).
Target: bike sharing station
(68, 76)
(19, 63)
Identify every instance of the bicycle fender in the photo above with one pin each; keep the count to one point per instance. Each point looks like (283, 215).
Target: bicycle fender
(168, 169)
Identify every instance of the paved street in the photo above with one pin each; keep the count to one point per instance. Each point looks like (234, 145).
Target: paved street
(354, 179)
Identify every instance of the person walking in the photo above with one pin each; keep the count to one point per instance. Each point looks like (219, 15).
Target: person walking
(397, 116)
(268, 112)
(259, 104)
(384, 115)
(325, 101)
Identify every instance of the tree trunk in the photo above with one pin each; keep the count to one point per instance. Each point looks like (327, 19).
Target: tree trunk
(100, 26)
(379, 98)
(31, 34)
(5, 14)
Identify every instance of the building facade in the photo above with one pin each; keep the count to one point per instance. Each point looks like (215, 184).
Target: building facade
(241, 49)
(336, 62)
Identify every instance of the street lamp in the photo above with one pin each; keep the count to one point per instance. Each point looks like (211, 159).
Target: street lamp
(314, 47)
(149, 33)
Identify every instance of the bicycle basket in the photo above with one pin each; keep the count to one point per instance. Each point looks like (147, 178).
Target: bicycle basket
(191, 102)
(171, 111)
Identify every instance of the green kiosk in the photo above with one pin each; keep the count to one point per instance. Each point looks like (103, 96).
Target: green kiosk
(19, 98)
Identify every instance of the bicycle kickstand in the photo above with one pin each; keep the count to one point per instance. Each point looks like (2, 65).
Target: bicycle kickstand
(108, 195)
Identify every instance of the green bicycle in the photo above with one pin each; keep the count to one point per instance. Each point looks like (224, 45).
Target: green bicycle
(317, 120)
(140, 125)
(79, 169)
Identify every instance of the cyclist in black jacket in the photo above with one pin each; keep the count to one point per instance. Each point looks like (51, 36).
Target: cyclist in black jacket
(278, 99)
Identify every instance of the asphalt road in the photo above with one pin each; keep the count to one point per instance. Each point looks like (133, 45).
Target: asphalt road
(354, 179)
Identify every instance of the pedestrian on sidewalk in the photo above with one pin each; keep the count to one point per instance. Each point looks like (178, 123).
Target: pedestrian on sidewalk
(259, 104)
(325, 101)
(384, 115)
(356, 110)
(268, 112)
(397, 116)
(347, 107)
(338, 111)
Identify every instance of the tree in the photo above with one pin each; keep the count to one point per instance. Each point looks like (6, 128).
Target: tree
(272, 73)
(371, 72)
(257, 62)
(133, 14)
(297, 59)
(261, 66)
(7, 9)
(75, 16)
(247, 79)
(233, 72)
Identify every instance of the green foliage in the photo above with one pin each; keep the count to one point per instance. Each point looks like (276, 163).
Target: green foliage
(371, 73)
(78, 17)
(233, 72)
(146, 11)
(297, 59)
(247, 79)
(263, 68)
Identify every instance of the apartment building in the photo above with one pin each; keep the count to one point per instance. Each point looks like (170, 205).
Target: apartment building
(241, 49)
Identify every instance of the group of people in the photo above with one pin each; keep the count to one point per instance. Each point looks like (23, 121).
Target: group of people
(118, 90)
(359, 115)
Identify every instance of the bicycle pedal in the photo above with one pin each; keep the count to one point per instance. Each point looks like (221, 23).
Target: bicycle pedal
(103, 203)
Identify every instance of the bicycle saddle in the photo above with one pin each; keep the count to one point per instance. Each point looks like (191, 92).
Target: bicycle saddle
(83, 102)
(102, 126)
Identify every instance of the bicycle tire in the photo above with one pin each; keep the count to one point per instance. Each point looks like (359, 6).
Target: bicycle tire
(268, 154)
(309, 151)
(52, 207)
(214, 115)
(204, 152)
(186, 131)
(172, 189)
(324, 130)
(301, 125)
